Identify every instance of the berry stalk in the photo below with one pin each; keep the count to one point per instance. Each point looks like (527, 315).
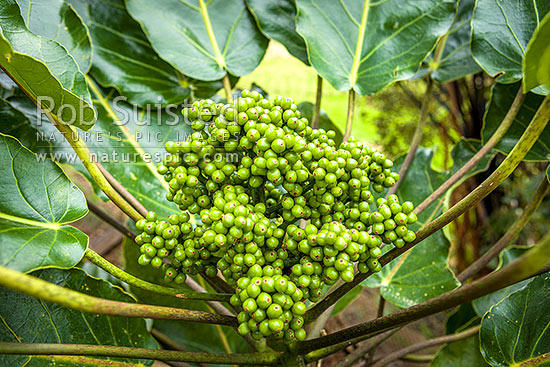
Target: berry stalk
(318, 97)
(127, 278)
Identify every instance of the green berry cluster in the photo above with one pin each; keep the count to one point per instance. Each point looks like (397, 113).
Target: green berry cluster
(389, 221)
(170, 245)
(279, 209)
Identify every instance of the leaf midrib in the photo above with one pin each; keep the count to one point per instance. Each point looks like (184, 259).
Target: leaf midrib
(359, 45)
(211, 36)
(48, 225)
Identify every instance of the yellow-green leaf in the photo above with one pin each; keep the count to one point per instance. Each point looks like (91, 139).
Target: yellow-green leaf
(536, 63)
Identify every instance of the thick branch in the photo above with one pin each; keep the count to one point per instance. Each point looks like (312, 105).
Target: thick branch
(155, 288)
(417, 137)
(425, 344)
(509, 164)
(510, 235)
(81, 361)
(497, 136)
(49, 292)
(128, 352)
(522, 268)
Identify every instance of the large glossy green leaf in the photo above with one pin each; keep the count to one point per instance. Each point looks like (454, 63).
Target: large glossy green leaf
(517, 330)
(36, 203)
(38, 82)
(235, 44)
(456, 60)
(366, 49)
(501, 100)
(61, 64)
(483, 304)
(500, 33)
(423, 272)
(192, 336)
(277, 20)
(26, 319)
(324, 120)
(57, 20)
(536, 69)
(14, 122)
(462, 353)
(123, 57)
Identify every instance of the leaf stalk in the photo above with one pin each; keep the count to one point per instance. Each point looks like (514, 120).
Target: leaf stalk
(351, 111)
(265, 358)
(85, 155)
(318, 98)
(417, 137)
(510, 235)
(39, 288)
